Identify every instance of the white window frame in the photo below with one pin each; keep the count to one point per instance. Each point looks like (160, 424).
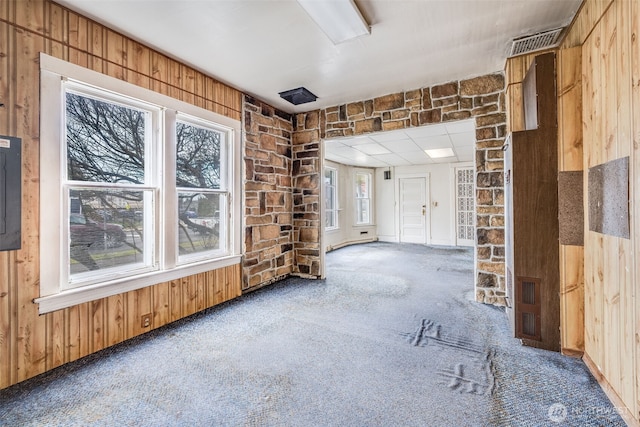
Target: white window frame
(223, 190)
(55, 293)
(150, 186)
(369, 176)
(333, 210)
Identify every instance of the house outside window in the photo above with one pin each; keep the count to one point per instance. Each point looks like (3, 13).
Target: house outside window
(363, 198)
(139, 187)
(331, 198)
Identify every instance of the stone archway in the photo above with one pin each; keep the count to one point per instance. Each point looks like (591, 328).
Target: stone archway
(481, 98)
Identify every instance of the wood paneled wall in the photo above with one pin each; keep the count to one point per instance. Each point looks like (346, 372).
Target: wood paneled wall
(611, 101)
(569, 92)
(598, 105)
(569, 83)
(29, 343)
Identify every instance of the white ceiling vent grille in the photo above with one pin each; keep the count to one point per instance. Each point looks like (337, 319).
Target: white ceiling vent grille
(535, 42)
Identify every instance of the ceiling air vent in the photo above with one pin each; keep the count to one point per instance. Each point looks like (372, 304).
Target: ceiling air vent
(298, 96)
(535, 42)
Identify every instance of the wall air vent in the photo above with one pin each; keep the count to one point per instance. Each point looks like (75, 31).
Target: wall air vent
(532, 43)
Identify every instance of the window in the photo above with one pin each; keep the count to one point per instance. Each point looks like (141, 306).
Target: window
(201, 189)
(331, 198)
(109, 184)
(363, 198)
(139, 187)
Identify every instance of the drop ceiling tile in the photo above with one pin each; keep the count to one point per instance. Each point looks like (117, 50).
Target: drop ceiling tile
(392, 135)
(426, 131)
(371, 149)
(348, 152)
(467, 139)
(400, 146)
(436, 141)
(392, 159)
(336, 158)
(452, 159)
(416, 157)
(462, 126)
(370, 161)
(359, 140)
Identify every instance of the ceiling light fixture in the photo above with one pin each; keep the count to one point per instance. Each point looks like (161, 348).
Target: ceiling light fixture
(438, 153)
(340, 20)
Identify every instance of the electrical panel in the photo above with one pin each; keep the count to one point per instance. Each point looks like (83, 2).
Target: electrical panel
(10, 192)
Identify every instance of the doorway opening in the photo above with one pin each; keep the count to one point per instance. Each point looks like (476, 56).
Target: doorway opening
(421, 187)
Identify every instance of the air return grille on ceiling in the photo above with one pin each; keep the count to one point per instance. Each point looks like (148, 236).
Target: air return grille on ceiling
(535, 42)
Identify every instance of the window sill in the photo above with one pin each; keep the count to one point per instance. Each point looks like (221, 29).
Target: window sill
(72, 297)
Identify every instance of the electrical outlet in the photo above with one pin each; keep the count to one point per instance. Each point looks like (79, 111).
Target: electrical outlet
(145, 321)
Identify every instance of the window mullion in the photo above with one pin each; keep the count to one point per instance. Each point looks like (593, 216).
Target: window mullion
(168, 223)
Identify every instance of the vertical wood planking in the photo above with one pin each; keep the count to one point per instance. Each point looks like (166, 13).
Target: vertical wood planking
(139, 304)
(116, 327)
(138, 59)
(625, 249)
(570, 118)
(610, 130)
(96, 47)
(188, 84)
(190, 299)
(56, 333)
(30, 343)
(6, 279)
(570, 159)
(587, 128)
(596, 157)
(611, 281)
(31, 327)
(161, 305)
(201, 294)
(56, 19)
(78, 40)
(221, 285)
(114, 45)
(175, 300)
(98, 338)
(634, 191)
(5, 319)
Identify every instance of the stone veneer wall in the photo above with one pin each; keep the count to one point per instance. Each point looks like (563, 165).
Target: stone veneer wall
(268, 194)
(283, 178)
(306, 193)
(481, 98)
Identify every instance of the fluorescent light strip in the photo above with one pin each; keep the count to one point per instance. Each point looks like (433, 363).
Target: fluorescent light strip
(340, 20)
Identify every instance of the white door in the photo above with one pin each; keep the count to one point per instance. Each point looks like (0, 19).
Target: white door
(413, 210)
(465, 207)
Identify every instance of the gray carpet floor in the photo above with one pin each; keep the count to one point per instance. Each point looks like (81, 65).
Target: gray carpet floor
(392, 337)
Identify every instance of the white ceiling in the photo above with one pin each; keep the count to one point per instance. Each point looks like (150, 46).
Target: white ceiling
(405, 147)
(264, 47)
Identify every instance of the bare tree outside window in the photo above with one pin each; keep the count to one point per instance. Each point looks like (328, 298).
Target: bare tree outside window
(106, 145)
(198, 154)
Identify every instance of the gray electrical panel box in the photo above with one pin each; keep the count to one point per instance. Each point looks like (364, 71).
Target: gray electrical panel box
(10, 192)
